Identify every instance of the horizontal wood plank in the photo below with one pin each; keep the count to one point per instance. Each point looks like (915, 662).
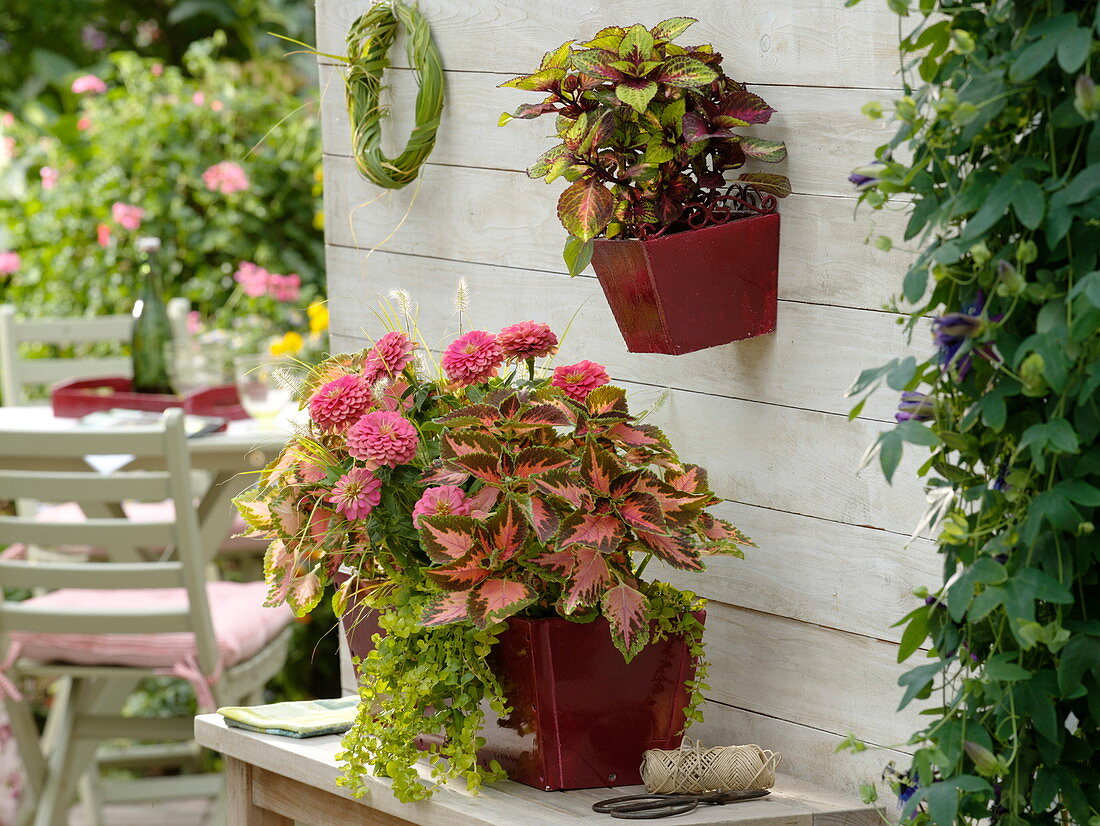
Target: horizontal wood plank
(506, 219)
(794, 43)
(799, 461)
(825, 133)
(809, 362)
(840, 683)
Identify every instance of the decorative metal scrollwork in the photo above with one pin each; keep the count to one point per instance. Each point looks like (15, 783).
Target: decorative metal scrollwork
(713, 208)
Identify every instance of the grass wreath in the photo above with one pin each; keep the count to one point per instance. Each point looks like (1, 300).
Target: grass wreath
(369, 40)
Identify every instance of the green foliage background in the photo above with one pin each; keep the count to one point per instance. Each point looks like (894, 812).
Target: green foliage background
(998, 144)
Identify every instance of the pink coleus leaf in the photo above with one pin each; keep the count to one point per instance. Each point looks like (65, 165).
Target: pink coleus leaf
(677, 506)
(721, 532)
(304, 593)
(643, 513)
(506, 530)
(446, 608)
(532, 461)
(589, 579)
(625, 609)
(693, 479)
(624, 483)
(481, 465)
(439, 475)
(481, 503)
(543, 415)
(445, 538)
(464, 442)
(636, 435)
(461, 574)
(601, 531)
(544, 518)
(496, 599)
(559, 564)
(607, 400)
(676, 550)
(563, 485)
(599, 468)
(471, 414)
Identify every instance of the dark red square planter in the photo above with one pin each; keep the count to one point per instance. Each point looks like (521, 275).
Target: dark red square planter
(695, 289)
(582, 717)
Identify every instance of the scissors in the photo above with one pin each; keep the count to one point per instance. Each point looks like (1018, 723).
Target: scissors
(652, 806)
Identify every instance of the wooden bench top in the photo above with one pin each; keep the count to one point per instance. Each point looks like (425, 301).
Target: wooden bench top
(312, 762)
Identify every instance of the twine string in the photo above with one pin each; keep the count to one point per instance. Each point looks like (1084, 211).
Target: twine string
(695, 769)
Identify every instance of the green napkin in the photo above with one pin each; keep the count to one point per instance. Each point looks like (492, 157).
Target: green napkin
(309, 718)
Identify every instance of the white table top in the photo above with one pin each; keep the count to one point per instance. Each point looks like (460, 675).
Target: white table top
(312, 761)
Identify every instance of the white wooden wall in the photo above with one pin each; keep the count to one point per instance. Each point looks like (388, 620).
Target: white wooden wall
(799, 634)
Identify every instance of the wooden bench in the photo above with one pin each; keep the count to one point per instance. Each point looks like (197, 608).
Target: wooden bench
(274, 781)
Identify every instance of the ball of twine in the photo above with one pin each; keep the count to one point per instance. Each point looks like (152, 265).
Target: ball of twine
(369, 40)
(694, 769)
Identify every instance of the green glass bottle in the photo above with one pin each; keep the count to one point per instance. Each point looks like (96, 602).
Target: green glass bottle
(151, 344)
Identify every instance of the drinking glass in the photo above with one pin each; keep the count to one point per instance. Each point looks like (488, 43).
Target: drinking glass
(265, 384)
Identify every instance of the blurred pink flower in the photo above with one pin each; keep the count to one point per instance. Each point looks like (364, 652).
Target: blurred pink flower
(383, 437)
(284, 287)
(199, 98)
(84, 124)
(7, 148)
(9, 262)
(340, 402)
(527, 340)
(472, 358)
(580, 379)
(49, 177)
(89, 84)
(252, 278)
(356, 493)
(157, 70)
(225, 177)
(216, 105)
(103, 235)
(446, 500)
(389, 356)
(127, 216)
(194, 322)
(7, 119)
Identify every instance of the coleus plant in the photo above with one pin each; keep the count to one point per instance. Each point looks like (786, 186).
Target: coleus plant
(459, 500)
(646, 127)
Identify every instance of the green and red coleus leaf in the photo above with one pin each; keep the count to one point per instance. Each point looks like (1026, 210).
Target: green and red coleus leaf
(460, 574)
(637, 44)
(480, 465)
(599, 468)
(446, 608)
(603, 531)
(563, 485)
(447, 538)
(625, 609)
(741, 107)
(607, 400)
(643, 513)
(692, 479)
(764, 150)
(557, 58)
(675, 549)
(506, 531)
(483, 415)
(596, 63)
(607, 39)
(458, 443)
(588, 580)
(721, 530)
(542, 415)
(685, 72)
(777, 185)
(696, 129)
(555, 565)
(585, 208)
(556, 158)
(638, 435)
(672, 28)
(544, 80)
(544, 518)
(534, 461)
(496, 599)
(677, 507)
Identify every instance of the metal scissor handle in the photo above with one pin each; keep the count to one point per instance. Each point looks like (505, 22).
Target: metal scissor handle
(653, 806)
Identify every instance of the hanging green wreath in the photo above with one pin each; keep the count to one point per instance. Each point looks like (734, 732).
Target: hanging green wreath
(369, 41)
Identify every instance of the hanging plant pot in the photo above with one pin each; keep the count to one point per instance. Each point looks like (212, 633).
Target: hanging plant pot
(687, 290)
(581, 717)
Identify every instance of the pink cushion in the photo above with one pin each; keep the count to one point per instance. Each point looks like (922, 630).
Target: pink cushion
(242, 626)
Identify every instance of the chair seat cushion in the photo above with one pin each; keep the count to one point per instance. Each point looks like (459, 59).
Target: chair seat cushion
(242, 626)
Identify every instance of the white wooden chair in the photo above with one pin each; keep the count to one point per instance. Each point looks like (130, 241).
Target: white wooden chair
(105, 626)
(18, 374)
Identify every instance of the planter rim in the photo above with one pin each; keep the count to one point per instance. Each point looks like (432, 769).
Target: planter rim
(684, 232)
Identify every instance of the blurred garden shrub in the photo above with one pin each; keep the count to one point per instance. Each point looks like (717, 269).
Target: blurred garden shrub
(222, 163)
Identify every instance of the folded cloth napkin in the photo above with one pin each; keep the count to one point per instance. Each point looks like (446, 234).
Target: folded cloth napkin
(309, 718)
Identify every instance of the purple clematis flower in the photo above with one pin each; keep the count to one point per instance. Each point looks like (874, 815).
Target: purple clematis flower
(999, 482)
(915, 406)
(951, 330)
(865, 177)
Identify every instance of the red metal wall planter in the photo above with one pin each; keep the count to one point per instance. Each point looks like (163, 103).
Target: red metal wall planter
(709, 279)
(582, 717)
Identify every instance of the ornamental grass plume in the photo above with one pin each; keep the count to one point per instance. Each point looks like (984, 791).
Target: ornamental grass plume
(340, 402)
(527, 340)
(473, 358)
(383, 437)
(356, 493)
(580, 379)
(391, 354)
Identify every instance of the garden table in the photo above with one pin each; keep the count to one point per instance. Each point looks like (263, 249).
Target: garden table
(274, 781)
(231, 457)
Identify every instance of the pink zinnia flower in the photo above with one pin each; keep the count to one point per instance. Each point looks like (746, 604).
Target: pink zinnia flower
(49, 177)
(527, 340)
(225, 177)
(446, 500)
(340, 402)
(389, 356)
(472, 358)
(384, 437)
(194, 322)
(252, 278)
(157, 70)
(356, 493)
(127, 216)
(103, 235)
(198, 98)
(88, 84)
(284, 287)
(9, 262)
(7, 119)
(84, 124)
(580, 379)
